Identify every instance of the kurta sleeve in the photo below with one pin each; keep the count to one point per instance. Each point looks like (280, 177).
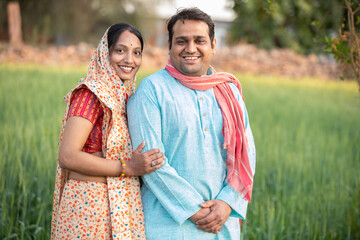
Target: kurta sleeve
(175, 194)
(227, 194)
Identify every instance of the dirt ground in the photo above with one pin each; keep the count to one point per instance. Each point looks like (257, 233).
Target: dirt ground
(244, 58)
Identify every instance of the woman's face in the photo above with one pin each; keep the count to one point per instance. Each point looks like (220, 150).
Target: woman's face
(125, 55)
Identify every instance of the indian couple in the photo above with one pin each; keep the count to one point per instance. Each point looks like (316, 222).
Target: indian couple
(185, 132)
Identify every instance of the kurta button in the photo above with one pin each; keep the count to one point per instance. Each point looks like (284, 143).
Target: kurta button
(204, 114)
(205, 129)
(200, 98)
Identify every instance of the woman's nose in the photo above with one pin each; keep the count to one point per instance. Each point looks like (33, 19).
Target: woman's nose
(129, 57)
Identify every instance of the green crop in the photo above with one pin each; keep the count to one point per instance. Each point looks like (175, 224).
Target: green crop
(307, 134)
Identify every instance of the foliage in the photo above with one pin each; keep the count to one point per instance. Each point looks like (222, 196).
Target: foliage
(69, 22)
(306, 183)
(346, 45)
(286, 23)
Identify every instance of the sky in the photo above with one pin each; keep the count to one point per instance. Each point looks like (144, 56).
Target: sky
(215, 8)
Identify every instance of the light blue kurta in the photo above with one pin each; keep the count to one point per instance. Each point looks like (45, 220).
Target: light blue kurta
(186, 125)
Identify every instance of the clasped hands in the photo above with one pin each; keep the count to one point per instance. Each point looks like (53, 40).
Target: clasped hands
(212, 216)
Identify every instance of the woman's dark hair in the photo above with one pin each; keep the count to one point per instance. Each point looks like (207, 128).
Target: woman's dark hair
(117, 29)
(190, 14)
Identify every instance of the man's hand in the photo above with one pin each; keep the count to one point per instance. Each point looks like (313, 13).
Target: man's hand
(202, 213)
(219, 214)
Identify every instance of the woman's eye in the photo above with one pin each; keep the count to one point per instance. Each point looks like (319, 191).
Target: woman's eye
(138, 53)
(120, 51)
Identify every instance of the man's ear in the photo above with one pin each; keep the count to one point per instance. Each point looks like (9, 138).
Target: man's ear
(214, 45)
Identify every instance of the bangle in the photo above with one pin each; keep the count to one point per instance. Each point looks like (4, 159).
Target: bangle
(123, 165)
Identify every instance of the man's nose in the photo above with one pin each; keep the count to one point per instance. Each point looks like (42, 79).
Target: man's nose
(191, 47)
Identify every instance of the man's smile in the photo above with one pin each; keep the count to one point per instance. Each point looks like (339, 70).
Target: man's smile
(191, 59)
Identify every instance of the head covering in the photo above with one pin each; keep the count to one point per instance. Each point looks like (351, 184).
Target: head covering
(239, 175)
(124, 192)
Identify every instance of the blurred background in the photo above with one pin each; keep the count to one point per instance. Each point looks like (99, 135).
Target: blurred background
(292, 38)
(298, 64)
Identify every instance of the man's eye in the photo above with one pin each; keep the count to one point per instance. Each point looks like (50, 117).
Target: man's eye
(200, 41)
(180, 42)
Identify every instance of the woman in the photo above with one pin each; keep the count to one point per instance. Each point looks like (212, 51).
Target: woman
(97, 193)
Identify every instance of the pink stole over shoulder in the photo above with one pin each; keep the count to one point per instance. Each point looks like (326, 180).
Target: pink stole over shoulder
(239, 176)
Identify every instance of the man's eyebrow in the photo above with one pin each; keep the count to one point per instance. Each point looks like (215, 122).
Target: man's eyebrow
(182, 37)
(185, 37)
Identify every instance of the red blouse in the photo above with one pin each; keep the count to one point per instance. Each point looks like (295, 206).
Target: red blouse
(85, 104)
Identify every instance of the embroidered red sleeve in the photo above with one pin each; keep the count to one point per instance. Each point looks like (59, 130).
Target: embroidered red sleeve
(85, 104)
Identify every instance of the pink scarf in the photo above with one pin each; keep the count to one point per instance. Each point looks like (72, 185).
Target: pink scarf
(239, 176)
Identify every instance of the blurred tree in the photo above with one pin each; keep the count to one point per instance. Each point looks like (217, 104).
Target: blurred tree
(286, 23)
(69, 22)
(346, 45)
(14, 20)
(3, 21)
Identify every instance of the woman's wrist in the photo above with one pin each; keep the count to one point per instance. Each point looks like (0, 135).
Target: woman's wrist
(126, 169)
(123, 168)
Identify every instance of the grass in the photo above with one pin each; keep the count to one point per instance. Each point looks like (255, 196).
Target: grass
(307, 180)
(307, 133)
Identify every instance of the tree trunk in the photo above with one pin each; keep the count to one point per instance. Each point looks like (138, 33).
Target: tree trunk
(14, 20)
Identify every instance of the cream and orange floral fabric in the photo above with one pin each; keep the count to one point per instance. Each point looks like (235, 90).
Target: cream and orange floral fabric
(84, 212)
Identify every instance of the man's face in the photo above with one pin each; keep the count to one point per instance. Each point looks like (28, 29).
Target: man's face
(191, 50)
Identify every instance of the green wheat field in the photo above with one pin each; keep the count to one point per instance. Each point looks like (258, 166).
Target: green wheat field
(307, 134)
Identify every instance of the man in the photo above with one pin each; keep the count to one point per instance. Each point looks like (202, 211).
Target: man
(203, 189)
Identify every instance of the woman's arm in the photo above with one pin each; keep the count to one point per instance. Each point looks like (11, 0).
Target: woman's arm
(72, 157)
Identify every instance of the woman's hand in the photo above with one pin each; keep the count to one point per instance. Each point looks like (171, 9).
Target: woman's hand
(142, 163)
